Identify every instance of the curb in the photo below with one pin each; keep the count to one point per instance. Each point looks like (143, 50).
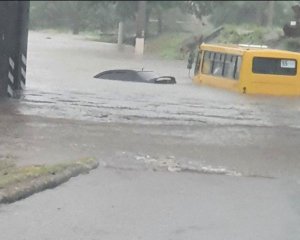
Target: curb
(27, 188)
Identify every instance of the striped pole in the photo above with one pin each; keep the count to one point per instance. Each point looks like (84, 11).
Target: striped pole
(11, 78)
(13, 46)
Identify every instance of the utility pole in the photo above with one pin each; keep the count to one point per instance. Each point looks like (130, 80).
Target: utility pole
(140, 30)
(270, 13)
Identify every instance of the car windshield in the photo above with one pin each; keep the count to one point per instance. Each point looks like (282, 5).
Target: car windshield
(147, 75)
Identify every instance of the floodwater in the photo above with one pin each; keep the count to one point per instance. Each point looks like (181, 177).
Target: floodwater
(176, 161)
(209, 127)
(61, 84)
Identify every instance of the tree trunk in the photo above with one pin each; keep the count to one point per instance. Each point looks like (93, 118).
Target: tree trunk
(270, 13)
(259, 17)
(260, 13)
(76, 18)
(148, 13)
(120, 35)
(159, 23)
(75, 28)
(140, 20)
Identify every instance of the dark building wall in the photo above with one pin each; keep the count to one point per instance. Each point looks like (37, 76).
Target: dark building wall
(13, 46)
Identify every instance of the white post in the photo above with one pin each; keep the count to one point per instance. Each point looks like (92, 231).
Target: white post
(139, 46)
(120, 36)
(140, 30)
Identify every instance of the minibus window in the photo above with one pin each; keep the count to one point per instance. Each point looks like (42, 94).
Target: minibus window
(224, 63)
(218, 64)
(275, 66)
(229, 66)
(212, 58)
(207, 63)
(237, 67)
(221, 64)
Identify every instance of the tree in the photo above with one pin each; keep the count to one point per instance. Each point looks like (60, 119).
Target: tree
(140, 19)
(250, 12)
(270, 13)
(101, 16)
(105, 15)
(126, 10)
(74, 15)
(200, 8)
(43, 15)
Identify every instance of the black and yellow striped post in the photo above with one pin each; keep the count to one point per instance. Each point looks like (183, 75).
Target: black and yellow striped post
(13, 46)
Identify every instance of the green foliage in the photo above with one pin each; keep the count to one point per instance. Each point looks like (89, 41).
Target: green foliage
(245, 35)
(166, 45)
(89, 15)
(283, 12)
(14, 174)
(250, 12)
(42, 15)
(103, 16)
(200, 8)
(75, 15)
(126, 9)
(292, 45)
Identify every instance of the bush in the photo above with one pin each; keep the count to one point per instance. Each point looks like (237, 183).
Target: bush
(292, 45)
(246, 35)
(166, 45)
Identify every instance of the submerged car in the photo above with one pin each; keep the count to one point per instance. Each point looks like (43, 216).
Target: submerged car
(135, 76)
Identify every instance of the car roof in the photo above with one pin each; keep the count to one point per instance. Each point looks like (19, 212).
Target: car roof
(123, 70)
(116, 71)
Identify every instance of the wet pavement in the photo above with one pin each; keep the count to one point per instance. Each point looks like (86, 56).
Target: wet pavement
(118, 204)
(213, 163)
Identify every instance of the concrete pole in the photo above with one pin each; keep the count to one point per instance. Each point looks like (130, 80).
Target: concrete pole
(140, 33)
(120, 36)
(14, 18)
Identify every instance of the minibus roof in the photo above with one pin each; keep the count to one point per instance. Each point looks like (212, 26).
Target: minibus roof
(240, 49)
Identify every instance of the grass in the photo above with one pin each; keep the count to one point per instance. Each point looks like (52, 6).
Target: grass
(291, 44)
(11, 174)
(166, 45)
(247, 34)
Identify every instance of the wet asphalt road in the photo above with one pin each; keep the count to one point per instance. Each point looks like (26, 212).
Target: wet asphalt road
(118, 204)
(165, 152)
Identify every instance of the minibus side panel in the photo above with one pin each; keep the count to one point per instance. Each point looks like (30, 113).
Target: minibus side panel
(219, 82)
(271, 84)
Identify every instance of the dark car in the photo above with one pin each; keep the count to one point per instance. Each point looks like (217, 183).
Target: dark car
(135, 76)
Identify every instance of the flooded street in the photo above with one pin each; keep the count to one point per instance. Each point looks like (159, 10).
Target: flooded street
(61, 84)
(199, 150)
(208, 126)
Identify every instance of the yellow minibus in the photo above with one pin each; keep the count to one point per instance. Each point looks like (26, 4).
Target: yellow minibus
(250, 69)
